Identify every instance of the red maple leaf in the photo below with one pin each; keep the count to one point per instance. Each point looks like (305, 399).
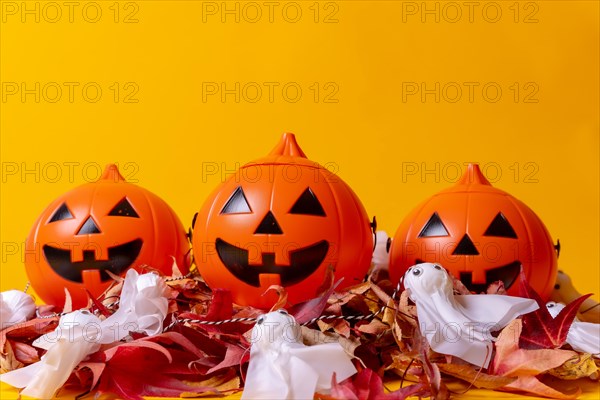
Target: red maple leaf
(540, 330)
(367, 385)
(27, 331)
(304, 312)
(221, 305)
(525, 365)
(150, 366)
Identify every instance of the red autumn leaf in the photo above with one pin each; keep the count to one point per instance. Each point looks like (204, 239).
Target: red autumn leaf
(433, 376)
(146, 367)
(540, 330)
(221, 306)
(310, 309)
(233, 358)
(28, 331)
(328, 281)
(367, 385)
(123, 383)
(24, 353)
(95, 368)
(219, 354)
(99, 306)
(525, 365)
(210, 346)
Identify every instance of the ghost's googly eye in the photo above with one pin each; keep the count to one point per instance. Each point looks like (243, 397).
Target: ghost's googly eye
(437, 267)
(85, 312)
(282, 311)
(417, 271)
(550, 305)
(260, 320)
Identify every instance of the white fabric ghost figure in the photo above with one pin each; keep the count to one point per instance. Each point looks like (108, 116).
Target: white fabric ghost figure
(75, 337)
(381, 254)
(282, 367)
(582, 336)
(142, 308)
(459, 325)
(15, 307)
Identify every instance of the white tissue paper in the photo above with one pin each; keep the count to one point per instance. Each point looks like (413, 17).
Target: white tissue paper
(381, 255)
(15, 307)
(582, 336)
(142, 308)
(459, 325)
(75, 337)
(282, 367)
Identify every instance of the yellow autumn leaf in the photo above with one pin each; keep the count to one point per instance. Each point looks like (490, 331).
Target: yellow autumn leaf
(581, 365)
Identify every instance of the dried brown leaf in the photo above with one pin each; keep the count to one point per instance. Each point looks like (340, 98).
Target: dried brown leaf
(389, 313)
(375, 327)
(312, 336)
(380, 293)
(407, 310)
(282, 301)
(459, 287)
(351, 293)
(581, 365)
(341, 327)
(496, 288)
(405, 365)
(8, 361)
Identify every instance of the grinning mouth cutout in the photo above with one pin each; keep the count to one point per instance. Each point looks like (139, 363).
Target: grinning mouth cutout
(119, 259)
(507, 273)
(303, 263)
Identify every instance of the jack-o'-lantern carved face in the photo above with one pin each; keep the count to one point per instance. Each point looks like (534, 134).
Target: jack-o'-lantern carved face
(302, 262)
(480, 234)
(100, 227)
(281, 220)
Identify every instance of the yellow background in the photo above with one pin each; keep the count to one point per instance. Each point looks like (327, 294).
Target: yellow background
(540, 144)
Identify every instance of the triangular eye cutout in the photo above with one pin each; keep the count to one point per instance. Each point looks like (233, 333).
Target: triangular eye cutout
(465, 247)
(237, 203)
(308, 204)
(500, 227)
(63, 212)
(269, 226)
(434, 227)
(123, 209)
(89, 227)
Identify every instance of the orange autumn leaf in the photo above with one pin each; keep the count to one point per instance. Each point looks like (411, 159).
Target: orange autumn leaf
(477, 378)
(511, 361)
(283, 296)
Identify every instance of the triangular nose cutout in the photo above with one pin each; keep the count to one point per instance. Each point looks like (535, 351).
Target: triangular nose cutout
(88, 227)
(269, 225)
(465, 247)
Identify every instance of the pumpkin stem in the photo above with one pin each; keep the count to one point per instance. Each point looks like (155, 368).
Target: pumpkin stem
(111, 172)
(288, 146)
(473, 176)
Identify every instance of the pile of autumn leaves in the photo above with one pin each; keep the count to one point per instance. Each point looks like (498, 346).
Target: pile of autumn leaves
(193, 359)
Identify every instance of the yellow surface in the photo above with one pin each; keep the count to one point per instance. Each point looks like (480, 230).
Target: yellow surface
(186, 98)
(590, 389)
